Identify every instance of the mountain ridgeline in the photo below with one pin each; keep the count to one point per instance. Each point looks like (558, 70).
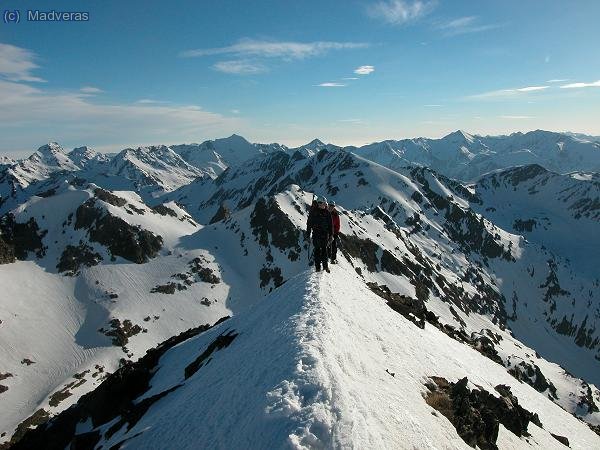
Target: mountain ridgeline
(467, 270)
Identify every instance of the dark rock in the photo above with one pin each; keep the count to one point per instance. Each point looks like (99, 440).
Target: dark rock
(524, 225)
(122, 239)
(269, 221)
(223, 213)
(109, 197)
(27, 361)
(413, 309)
(22, 238)
(485, 346)
(168, 288)
(37, 418)
(7, 252)
(121, 333)
(58, 397)
(164, 210)
(73, 258)
(533, 376)
(363, 249)
(205, 274)
(270, 273)
(49, 193)
(222, 341)
(477, 414)
(563, 440)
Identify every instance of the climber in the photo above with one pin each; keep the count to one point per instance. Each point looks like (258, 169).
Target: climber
(335, 221)
(320, 224)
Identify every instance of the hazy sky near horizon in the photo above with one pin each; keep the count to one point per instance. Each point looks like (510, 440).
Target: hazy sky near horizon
(348, 72)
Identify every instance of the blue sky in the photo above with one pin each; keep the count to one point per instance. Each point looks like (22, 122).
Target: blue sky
(347, 72)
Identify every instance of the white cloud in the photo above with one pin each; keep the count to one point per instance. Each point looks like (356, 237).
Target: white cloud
(149, 101)
(235, 111)
(400, 12)
(432, 106)
(532, 88)
(331, 85)
(364, 70)
(464, 25)
(350, 78)
(350, 120)
(517, 117)
(30, 116)
(556, 80)
(16, 64)
(90, 90)
(581, 85)
(275, 49)
(507, 92)
(239, 67)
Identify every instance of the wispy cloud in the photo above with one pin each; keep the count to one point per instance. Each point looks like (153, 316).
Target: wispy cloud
(90, 90)
(432, 106)
(16, 64)
(507, 92)
(149, 101)
(532, 88)
(581, 85)
(331, 85)
(240, 67)
(364, 70)
(557, 80)
(350, 78)
(28, 114)
(400, 12)
(350, 120)
(517, 117)
(465, 25)
(275, 49)
(235, 111)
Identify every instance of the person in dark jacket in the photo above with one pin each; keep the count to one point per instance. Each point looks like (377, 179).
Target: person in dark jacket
(335, 221)
(320, 225)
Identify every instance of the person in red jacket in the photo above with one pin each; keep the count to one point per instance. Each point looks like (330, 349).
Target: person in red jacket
(335, 221)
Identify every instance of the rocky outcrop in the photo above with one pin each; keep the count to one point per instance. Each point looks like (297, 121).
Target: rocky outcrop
(272, 226)
(109, 197)
(74, 257)
(477, 414)
(22, 238)
(222, 213)
(7, 252)
(122, 239)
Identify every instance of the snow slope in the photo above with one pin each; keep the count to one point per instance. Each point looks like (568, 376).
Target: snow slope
(332, 367)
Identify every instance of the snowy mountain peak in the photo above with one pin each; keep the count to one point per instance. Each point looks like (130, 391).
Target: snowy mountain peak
(51, 148)
(315, 144)
(235, 142)
(153, 167)
(459, 136)
(82, 156)
(52, 155)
